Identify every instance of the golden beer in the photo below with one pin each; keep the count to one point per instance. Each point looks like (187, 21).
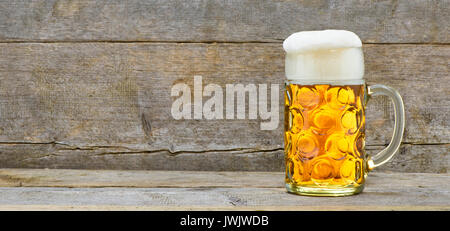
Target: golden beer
(324, 138)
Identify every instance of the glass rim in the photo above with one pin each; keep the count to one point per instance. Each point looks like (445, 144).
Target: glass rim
(328, 82)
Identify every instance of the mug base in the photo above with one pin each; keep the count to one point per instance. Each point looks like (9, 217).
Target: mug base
(314, 190)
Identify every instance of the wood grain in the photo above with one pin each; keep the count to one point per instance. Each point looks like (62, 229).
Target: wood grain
(397, 21)
(107, 105)
(8, 207)
(179, 190)
(86, 84)
(138, 179)
(411, 158)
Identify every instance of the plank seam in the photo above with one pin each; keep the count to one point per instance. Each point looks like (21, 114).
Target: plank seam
(198, 42)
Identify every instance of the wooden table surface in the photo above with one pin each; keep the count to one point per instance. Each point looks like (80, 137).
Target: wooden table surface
(45, 189)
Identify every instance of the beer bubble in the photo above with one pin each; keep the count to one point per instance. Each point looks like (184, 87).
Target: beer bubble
(357, 171)
(351, 120)
(308, 98)
(339, 97)
(351, 170)
(322, 170)
(337, 146)
(296, 119)
(294, 171)
(307, 145)
(347, 171)
(290, 169)
(323, 120)
(359, 145)
(287, 143)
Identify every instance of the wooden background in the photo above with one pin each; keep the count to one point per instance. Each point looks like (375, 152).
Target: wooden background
(86, 84)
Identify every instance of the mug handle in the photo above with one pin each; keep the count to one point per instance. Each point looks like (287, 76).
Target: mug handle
(399, 110)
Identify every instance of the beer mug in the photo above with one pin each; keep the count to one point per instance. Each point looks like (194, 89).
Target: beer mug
(324, 116)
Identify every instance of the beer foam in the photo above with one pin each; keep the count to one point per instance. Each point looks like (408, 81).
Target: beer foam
(324, 55)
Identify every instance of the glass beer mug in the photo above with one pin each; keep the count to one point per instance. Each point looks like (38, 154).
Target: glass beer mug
(324, 123)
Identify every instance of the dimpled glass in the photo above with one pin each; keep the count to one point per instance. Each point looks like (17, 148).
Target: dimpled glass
(324, 139)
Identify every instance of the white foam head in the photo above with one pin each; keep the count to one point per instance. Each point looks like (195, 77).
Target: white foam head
(324, 55)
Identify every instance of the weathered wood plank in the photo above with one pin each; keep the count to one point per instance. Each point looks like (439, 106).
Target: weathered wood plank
(213, 199)
(72, 178)
(403, 21)
(417, 158)
(210, 191)
(107, 105)
(56, 156)
(137, 179)
(411, 158)
(219, 208)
